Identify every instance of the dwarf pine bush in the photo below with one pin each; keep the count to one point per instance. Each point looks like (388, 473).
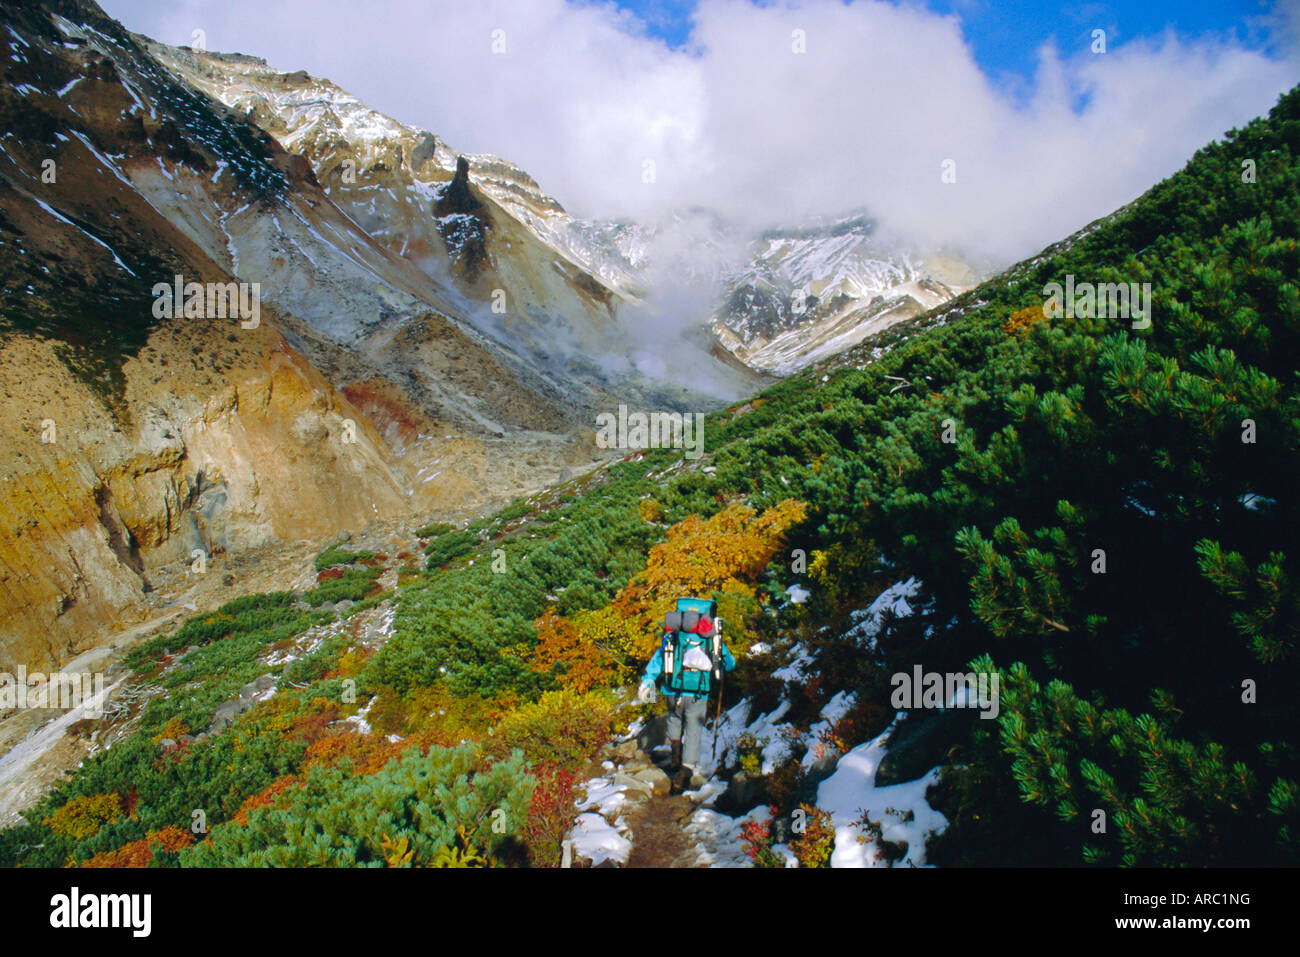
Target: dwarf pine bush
(337, 818)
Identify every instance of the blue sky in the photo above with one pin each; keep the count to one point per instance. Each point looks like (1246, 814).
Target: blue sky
(1004, 35)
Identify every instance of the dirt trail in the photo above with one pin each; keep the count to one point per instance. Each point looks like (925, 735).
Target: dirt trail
(658, 831)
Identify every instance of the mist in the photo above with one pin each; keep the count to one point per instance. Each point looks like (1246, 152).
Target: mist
(772, 115)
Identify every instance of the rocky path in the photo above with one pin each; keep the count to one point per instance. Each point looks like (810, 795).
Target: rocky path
(659, 838)
(629, 818)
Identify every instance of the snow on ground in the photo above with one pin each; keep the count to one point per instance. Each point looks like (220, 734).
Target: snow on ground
(797, 669)
(359, 719)
(901, 809)
(604, 796)
(834, 709)
(717, 837)
(600, 833)
(595, 839)
(891, 601)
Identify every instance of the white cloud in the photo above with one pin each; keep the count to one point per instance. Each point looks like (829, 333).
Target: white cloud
(739, 123)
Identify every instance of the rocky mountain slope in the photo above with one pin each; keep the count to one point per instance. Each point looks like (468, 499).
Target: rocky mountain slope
(434, 332)
(795, 296)
(809, 293)
(372, 381)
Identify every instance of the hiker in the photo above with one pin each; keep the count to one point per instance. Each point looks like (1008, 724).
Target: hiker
(690, 655)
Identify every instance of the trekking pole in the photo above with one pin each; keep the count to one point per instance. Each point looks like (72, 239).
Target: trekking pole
(717, 665)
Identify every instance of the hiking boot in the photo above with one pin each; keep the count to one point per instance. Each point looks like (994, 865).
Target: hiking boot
(682, 780)
(675, 762)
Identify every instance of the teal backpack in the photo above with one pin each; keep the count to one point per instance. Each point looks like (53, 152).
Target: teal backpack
(688, 657)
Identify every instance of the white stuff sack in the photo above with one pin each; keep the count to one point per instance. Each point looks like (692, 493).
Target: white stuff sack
(696, 659)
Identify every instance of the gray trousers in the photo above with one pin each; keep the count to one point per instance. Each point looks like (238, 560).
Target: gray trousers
(683, 709)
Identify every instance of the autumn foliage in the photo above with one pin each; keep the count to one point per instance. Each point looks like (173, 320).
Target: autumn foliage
(169, 840)
(721, 556)
(83, 817)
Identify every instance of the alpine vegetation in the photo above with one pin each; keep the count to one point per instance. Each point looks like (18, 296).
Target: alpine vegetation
(1107, 300)
(976, 568)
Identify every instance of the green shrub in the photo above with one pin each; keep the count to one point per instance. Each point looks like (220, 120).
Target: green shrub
(338, 555)
(449, 546)
(353, 585)
(341, 819)
(434, 530)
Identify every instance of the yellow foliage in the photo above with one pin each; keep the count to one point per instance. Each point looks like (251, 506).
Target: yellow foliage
(352, 661)
(819, 567)
(718, 557)
(562, 727)
(463, 854)
(82, 817)
(173, 729)
(651, 510)
(397, 853)
(1023, 319)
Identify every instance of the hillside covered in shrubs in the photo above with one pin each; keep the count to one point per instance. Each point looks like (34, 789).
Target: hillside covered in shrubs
(1103, 515)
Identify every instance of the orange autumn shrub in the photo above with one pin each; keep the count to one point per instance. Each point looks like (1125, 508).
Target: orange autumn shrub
(367, 753)
(721, 556)
(169, 840)
(577, 656)
(265, 797)
(313, 721)
(173, 729)
(1020, 321)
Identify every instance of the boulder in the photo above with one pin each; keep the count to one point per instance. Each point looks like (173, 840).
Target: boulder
(740, 795)
(657, 779)
(225, 715)
(922, 741)
(629, 780)
(625, 751)
(257, 686)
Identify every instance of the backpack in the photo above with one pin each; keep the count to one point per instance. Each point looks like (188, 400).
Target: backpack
(688, 664)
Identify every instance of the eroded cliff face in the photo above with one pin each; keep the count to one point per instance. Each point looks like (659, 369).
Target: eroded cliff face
(228, 445)
(382, 383)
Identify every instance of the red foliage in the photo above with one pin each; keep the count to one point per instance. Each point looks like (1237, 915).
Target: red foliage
(329, 573)
(311, 725)
(756, 835)
(265, 797)
(550, 814)
(140, 853)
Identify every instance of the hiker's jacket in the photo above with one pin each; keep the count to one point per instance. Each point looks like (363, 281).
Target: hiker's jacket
(684, 681)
